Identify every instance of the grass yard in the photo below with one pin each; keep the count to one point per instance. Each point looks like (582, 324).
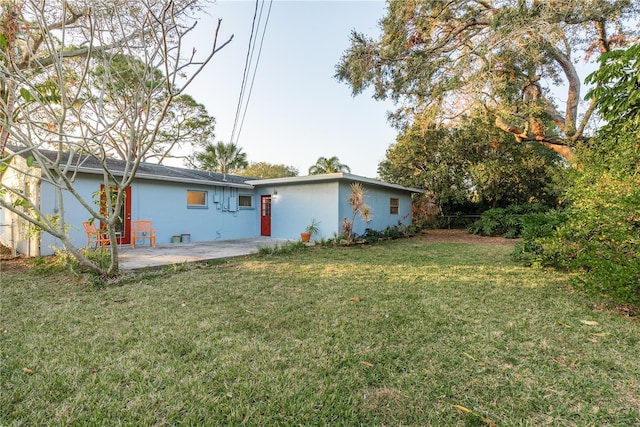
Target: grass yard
(397, 333)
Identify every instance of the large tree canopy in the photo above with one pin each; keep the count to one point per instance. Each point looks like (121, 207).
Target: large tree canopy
(185, 124)
(440, 59)
(471, 166)
(266, 170)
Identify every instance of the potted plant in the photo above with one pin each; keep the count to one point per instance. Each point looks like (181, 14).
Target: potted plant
(310, 230)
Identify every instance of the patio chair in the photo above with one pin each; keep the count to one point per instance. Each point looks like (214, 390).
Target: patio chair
(142, 229)
(94, 236)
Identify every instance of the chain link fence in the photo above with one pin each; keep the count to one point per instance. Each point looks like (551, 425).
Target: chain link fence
(8, 237)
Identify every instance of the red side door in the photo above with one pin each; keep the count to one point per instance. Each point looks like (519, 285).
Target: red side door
(265, 215)
(123, 225)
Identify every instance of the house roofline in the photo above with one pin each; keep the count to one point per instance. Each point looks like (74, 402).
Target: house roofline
(330, 177)
(219, 180)
(151, 177)
(216, 181)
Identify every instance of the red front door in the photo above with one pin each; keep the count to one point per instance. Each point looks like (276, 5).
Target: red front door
(123, 224)
(265, 215)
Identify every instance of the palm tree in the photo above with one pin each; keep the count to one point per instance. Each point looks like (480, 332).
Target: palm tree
(221, 157)
(330, 165)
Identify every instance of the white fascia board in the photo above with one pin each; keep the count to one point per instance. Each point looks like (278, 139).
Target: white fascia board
(329, 177)
(296, 179)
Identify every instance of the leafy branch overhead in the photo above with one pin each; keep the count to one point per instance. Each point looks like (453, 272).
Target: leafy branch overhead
(441, 60)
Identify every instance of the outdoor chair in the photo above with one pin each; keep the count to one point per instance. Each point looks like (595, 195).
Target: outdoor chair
(94, 236)
(142, 229)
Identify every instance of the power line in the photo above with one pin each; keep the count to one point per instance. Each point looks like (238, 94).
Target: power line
(244, 74)
(237, 125)
(253, 78)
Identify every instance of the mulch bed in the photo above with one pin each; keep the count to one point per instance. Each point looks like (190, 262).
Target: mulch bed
(19, 263)
(10, 263)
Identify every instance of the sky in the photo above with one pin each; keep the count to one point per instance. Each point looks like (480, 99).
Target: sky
(297, 111)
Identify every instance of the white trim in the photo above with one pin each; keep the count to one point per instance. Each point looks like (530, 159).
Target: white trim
(329, 177)
(205, 205)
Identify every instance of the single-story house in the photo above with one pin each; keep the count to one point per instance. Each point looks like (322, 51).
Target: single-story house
(199, 205)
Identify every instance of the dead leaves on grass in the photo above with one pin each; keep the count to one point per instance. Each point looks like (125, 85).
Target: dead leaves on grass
(485, 420)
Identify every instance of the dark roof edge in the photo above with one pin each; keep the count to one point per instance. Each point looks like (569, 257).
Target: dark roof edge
(213, 181)
(151, 177)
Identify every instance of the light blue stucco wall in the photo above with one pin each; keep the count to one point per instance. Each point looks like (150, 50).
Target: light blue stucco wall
(164, 203)
(295, 205)
(378, 198)
(74, 213)
(293, 208)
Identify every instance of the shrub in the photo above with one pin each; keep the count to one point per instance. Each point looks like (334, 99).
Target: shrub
(372, 236)
(602, 234)
(285, 248)
(63, 260)
(598, 234)
(394, 232)
(536, 229)
(538, 225)
(600, 238)
(505, 222)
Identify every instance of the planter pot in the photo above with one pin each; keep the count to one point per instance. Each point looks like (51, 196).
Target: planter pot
(305, 237)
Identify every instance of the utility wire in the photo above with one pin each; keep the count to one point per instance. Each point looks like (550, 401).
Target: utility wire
(237, 125)
(244, 74)
(255, 69)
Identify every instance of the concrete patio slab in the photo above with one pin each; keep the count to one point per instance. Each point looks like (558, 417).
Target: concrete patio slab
(177, 253)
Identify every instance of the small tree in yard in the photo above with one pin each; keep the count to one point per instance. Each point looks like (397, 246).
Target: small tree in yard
(356, 200)
(87, 79)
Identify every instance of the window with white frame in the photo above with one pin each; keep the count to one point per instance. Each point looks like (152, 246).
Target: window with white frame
(196, 199)
(245, 201)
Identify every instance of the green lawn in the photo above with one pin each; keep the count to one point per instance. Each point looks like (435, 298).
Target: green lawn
(391, 334)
